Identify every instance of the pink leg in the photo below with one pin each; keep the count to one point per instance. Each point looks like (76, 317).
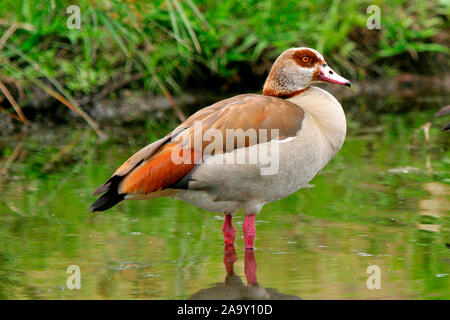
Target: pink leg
(229, 232)
(249, 231)
(250, 267)
(229, 258)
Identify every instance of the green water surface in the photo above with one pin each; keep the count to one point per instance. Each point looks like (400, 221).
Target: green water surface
(383, 200)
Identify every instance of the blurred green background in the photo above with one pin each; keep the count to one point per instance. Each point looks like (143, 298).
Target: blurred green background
(170, 46)
(135, 68)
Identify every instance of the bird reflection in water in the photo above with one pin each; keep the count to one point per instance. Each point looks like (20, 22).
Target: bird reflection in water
(233, 287)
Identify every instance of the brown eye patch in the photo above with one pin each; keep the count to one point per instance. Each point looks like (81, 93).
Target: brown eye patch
(305, 58)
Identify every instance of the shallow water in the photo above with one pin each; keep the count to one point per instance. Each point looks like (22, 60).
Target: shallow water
(383, 200)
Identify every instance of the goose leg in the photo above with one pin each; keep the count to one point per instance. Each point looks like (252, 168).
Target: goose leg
(250, 267)
(249, 231)
(229, 258)
(229, 232)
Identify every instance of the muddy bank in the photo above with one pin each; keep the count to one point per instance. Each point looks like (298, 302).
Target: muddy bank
(128, 106)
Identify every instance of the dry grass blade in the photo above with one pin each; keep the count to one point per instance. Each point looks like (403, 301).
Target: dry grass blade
(7, 34)
(178, 112)
(13, 103)
(24, 26)
(180, 115)
(10, 160)
(17, 84)
(72, 107)
(67, 100)
(12, 115)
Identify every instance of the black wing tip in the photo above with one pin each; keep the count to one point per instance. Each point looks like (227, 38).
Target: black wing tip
(110, 196)
(106, 201)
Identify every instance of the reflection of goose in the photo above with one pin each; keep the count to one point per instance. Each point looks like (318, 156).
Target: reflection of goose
(436, 205)
(233, 288)
(245, 151)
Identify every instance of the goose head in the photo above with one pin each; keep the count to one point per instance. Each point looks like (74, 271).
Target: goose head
(296, 69)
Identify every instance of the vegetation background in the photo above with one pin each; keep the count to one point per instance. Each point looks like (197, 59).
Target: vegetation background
(170, 47)
(135, 68)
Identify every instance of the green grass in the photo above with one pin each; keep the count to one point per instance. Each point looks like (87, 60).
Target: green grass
(172, 42)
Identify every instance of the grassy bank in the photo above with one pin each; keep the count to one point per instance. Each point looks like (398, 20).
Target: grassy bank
(166, 46)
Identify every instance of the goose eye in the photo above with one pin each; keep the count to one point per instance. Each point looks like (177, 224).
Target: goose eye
(305, 59)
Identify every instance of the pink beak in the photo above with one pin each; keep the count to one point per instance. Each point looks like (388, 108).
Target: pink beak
(328, 75)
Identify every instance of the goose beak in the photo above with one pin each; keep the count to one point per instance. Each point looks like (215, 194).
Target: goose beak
(327, 74)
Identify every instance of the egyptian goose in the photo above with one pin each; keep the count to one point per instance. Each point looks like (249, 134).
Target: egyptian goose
(245, 151)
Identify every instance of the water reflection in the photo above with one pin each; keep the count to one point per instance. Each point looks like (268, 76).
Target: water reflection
(318, 244)
(233, 288)
(434, 208)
